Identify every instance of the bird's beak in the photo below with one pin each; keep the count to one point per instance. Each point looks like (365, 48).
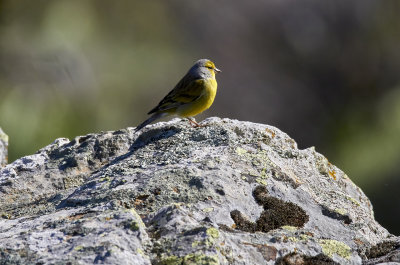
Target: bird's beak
(217, 70)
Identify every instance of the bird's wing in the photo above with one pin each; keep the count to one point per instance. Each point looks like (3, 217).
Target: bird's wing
(184, 92)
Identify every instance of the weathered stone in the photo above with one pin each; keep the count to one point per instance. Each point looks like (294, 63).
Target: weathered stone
(229, 193)
(3, 148)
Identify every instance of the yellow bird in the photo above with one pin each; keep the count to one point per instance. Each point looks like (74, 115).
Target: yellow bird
(191, 96)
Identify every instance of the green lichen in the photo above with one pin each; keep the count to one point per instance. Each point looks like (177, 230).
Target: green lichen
(289, 228)
(78, 248)
(341, 211)
(5, 215)
(171, 260)
(134, 226)
(208, 210)
(253, 173)
(240, 151)
(262, 178)
(105, 179)
(260, 164)
(331, 247)
(264, 173)
(322, 164)
(304, 237)
(190, 259)
(140, 251)
(353, 200)
(197, 243)
(261, 181)
(139, 221)
(212, 232)
(200, 259)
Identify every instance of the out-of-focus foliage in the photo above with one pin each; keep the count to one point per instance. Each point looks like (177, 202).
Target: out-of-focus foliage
(325, 72)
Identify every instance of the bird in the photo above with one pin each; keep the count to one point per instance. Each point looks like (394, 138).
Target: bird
(193, 94)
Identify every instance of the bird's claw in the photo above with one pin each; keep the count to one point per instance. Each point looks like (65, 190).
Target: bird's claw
(194, 124)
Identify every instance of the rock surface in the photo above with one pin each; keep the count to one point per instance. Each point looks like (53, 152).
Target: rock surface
(229, 193)
(3, 148)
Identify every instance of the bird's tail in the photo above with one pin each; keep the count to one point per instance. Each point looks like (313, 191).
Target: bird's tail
(152, 118)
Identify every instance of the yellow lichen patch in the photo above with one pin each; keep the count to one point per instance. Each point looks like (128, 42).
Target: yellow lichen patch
(331, 247)
(190, 259)
(78, 248)
(289, 228)
(353, 200)
(322, 164)
(264, 173)
(240, 151)
(197, 243)
(208, 210)
(261, 181)
(261, 164)
(196, 259)
(134, 226)
(341, 211)
(5, 215)
(137, 217)
(171, 260)
(176, 205)
(141, 252)
(212, 232)
(253, 173)
(105, 179)
(304, 237)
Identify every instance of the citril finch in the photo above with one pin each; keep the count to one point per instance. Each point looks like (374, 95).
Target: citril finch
(194, 93)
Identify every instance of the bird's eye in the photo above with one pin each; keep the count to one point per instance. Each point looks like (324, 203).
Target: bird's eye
(209, 67)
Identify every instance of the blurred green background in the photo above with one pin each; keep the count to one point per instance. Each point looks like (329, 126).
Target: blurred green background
(325, 72)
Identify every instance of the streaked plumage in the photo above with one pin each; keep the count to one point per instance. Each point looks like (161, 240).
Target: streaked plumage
(194, 93)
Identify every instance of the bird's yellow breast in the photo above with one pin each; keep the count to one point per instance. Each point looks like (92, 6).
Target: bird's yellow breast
(204, 101)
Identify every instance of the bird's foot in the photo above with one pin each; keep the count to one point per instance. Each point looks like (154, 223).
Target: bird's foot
(194, 124)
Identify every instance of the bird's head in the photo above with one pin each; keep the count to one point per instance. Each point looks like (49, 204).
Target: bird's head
(205, 67)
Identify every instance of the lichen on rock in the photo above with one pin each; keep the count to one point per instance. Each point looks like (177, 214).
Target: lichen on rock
(230, 192)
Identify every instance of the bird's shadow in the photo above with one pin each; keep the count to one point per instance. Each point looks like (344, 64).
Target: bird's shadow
(147, 137)
(141, 141)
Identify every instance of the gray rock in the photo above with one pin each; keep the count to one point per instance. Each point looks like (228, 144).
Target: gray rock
(3, 148)
(229, 193)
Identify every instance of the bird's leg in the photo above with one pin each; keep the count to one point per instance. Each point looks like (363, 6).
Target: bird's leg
(193, 123)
